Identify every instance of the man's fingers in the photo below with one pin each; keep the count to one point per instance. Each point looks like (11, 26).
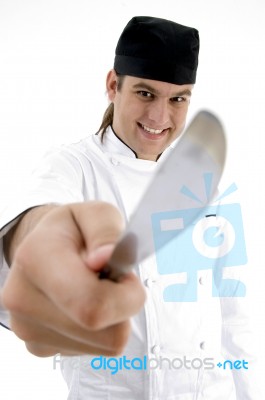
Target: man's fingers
(58, 270)
(78, 292)
(41, 350)
(48, 342)
(56, 300)
(35, 318)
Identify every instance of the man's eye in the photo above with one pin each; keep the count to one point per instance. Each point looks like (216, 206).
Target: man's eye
(143, 93)
(178, 99)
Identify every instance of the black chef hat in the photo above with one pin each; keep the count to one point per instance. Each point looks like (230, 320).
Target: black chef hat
(158, 49)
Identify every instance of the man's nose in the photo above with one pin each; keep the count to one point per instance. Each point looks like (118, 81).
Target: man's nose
(159, 113)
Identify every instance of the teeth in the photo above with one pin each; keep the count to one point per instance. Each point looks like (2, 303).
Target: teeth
(153, 131)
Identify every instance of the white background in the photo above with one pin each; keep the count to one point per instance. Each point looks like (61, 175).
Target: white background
(54, 56)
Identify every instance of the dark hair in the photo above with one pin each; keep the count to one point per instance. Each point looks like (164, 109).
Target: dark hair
(107, 119)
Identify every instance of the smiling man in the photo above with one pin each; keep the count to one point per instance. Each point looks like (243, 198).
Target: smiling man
(61, 232)
(151, 83)
(149, 114)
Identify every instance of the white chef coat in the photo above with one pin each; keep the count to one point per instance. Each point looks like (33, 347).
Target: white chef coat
(208, 328)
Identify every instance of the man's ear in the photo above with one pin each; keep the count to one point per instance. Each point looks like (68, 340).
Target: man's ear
(111, 84)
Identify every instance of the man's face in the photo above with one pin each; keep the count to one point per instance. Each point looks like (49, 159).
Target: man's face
(148, 114)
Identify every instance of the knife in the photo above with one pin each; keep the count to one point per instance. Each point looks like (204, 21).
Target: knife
(199, 155)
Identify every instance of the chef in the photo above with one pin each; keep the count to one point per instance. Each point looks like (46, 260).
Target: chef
(125, 339)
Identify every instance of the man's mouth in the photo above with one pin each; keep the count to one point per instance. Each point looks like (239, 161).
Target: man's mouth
(151, 130)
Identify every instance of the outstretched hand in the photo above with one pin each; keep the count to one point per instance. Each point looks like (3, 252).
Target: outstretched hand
(57, 302)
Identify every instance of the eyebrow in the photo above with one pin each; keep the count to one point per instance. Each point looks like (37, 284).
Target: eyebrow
(143, 85)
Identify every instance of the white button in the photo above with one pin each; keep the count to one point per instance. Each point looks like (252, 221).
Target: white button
(149, 282)
(156, 349)
(201, 280)
(114, 161)
(202, 345)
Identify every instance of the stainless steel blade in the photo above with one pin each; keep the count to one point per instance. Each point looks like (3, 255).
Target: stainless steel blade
(201, 151)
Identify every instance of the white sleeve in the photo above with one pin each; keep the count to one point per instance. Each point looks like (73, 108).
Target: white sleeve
(57, 180)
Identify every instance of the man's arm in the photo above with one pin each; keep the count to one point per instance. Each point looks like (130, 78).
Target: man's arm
(56, 301)
(25, 224)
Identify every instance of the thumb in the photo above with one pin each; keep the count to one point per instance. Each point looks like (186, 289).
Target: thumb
(100, 225)
(99, 257)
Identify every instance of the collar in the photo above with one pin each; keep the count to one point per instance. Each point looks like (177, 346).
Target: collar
(114, 145)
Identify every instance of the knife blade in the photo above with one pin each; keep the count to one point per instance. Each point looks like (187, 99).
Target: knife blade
(200, 152)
